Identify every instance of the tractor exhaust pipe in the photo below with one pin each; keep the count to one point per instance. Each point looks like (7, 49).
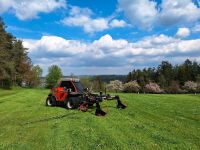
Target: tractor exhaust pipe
(99, 111)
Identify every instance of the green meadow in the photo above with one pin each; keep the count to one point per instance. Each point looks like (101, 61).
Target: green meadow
(149, 122)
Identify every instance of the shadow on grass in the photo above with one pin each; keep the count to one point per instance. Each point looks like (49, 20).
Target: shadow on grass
(91, 110)
(69, 116)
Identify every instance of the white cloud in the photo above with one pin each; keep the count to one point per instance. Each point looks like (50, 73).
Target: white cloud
(107, 46)
(189, 46)
(5, 5)
(183, 32)
(196, 28)
(178, 11)
(26, 9)
(146, 13)
(82, 17)
(118, 23)
(141, 13)
(107, 52)
(89, 25)
(75, 11)
(55, 45)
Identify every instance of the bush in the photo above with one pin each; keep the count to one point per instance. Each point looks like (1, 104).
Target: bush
(115, 86)
(198, 87)
(190, 86)
(131, 87)
(174, 88)
(153, 88)
(6, 83)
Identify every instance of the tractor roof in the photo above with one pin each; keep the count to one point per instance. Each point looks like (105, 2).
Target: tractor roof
(69, 79)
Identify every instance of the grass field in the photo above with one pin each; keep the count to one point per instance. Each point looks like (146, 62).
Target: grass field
(149, 122)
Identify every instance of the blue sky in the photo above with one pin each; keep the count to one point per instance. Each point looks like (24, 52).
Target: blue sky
(105, 36)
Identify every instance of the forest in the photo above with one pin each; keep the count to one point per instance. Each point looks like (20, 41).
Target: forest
(169, 78)
(16, 67)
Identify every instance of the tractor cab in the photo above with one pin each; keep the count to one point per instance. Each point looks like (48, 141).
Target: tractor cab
(67, 86)
(70, 84)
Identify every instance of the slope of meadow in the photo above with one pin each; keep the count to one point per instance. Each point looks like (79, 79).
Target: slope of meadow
(149, 122)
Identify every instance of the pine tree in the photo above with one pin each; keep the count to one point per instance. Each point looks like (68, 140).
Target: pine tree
(15, 65)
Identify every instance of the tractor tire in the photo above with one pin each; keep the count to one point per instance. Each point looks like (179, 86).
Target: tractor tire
(72, 103)
(50, 101)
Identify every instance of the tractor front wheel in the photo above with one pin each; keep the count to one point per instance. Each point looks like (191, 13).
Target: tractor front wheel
(50, 101)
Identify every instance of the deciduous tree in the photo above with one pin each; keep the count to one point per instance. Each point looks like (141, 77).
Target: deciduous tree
(131, 87)
(54, 74)
(115, 86)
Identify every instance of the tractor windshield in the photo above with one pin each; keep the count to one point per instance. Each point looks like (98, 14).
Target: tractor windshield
(79, 87)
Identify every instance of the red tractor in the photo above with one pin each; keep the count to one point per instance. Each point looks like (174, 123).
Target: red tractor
(70, 93)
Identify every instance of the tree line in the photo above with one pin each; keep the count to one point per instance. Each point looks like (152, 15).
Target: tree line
(170, 78)
(16, 67)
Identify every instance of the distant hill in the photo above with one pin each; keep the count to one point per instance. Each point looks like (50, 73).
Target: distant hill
(108, 78)
(104, 78)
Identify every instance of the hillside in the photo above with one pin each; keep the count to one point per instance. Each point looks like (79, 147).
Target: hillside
(149, 122)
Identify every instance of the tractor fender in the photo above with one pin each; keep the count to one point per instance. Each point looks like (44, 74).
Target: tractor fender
(51, 95)
(51, 100)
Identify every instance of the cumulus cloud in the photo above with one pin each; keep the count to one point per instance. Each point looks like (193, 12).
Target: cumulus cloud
(26, 9)
(107, 52)
(118, 23)
(54, 45)
(107, 44)
(89, 25)
(147, 13)
(140, 13)
(183, 32)
(75, 11)
(83, 17)
(178, 11)
(196, 28)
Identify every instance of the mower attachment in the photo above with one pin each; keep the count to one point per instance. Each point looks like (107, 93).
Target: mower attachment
(99, 111)
(120, 105)
(90, 98)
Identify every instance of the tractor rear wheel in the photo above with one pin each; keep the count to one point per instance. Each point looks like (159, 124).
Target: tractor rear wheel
(50, 101)
(72, 103)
